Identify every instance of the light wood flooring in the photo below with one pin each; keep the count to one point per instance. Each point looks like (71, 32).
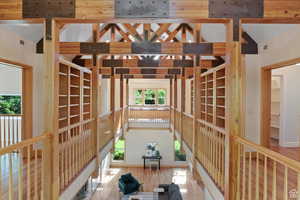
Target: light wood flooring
(293, 153)
(151, 179)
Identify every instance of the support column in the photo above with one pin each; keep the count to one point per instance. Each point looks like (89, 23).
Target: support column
(122, 102)
(196, 92)
(51, 103)
(112, 106)
(235, 82)
(171, 102)
(96, 101)
(182, 104)
(175, 102)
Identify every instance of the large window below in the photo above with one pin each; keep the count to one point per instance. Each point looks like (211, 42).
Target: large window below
(150, 97)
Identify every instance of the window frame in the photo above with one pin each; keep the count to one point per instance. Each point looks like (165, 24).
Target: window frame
(156, 98)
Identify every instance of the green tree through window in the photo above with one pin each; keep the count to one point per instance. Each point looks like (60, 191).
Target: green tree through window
(10, 104)
(150, 97)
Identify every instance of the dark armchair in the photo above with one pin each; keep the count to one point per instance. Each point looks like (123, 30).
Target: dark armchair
(128, 184)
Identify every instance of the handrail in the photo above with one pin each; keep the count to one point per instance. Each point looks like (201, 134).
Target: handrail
(295, 165)
(221, 130)
(11, 115)
(24, 143)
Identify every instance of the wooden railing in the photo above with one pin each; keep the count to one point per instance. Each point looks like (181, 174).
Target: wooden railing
(10, 129)
(210, 151)
(265, 174)
(75, 151)
(177, 121)
(106, 129)
(149, 112)
(23, 169)
(187, 129)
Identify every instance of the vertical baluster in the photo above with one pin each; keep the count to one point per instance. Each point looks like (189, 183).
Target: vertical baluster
(298, 186)
(8, 131)
(17, 131)
(285, 191)
(5, 134)
(250, 176)
(10, 187)
(244, 175)
(36, 174)
(265, 196)
(257, 176)
(1, 177)
(274, 191)
(13, 130)
(69, 157)
(239, 172)
(20, 175)
(28, 172)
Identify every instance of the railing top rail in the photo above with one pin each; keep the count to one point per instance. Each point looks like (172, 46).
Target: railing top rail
(158, 108)
(25, 143)
(288, 162)
(11, 115)
(221, 130)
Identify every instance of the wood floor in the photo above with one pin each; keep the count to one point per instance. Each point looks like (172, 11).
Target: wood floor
(151, 179)
(293, 153)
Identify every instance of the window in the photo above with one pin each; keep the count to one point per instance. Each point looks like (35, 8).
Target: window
(138, 97)
(179, 155)
(150, 96)
(10, 104)
(119, 153)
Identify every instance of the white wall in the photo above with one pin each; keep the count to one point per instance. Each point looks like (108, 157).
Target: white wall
(10, 80)
(11, 49)
(252, 126)
(283, 47)
(290, 112)
(136, 141)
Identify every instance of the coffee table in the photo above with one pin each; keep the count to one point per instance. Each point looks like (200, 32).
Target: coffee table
(143, 196)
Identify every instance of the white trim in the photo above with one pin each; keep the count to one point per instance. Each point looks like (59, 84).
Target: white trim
(78, 183)
(209, 184)
(290, 144)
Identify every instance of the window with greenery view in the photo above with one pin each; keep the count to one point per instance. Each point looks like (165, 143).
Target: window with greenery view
(10, 104)
(179, 156)
(119, 153)
(150, 96)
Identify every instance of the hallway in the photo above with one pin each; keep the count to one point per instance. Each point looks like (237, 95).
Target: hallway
(151, 179)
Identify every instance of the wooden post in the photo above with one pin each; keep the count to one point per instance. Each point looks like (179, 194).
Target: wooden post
(112, 105)
(27, 95)
(171, 102)
(196, 92)
(122, 102)
(96, 101)
(175, 101)
(235, 82)
(266, 86)
(182, 110)
(51, 103)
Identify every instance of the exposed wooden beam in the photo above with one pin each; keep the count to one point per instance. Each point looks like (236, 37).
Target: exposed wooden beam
(132, 30)
(137, 48)
(156, 63)
(162, 29)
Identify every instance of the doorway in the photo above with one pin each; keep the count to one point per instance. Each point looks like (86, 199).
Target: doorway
(280, 108)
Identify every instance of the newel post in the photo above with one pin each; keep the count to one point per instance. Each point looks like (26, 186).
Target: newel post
(235, 94)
